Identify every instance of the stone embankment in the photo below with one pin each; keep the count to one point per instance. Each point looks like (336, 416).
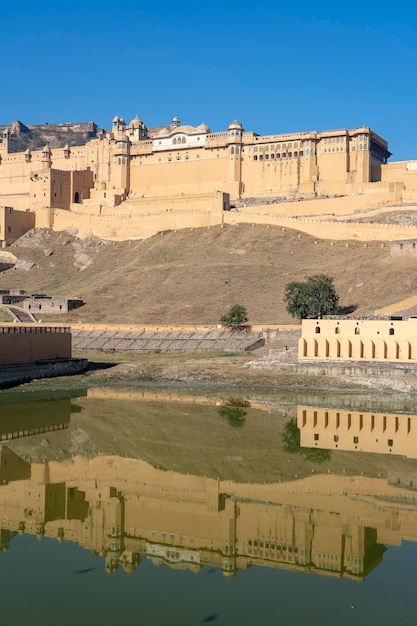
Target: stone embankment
(394, 376)
(167, 341)
(17, 374)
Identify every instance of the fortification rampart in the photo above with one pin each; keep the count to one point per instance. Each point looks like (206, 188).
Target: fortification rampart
(142, 218)
(326, 229)
(137, 219)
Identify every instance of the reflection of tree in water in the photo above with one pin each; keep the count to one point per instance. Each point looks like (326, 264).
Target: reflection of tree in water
(291, 443)
(233, 412)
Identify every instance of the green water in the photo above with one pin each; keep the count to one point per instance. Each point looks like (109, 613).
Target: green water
(93, 532)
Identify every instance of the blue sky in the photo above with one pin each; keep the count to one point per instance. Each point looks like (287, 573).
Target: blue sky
(276, 66)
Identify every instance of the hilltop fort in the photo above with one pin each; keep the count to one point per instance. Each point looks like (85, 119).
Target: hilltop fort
(132, 181)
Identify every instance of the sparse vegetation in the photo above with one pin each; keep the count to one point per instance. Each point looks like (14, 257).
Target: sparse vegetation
(180, 278)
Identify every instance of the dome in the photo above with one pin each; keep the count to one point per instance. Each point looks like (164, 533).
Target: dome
(203, 128)
(115, 119)
(176, 121)
(122, 121)
(235, 125)
(187, 130)
(135, 123)
(122, 137)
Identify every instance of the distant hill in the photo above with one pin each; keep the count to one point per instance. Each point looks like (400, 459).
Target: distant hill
(35, 137)
(194, 276)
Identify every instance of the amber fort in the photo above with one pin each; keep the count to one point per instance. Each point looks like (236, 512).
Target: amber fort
(131, 181)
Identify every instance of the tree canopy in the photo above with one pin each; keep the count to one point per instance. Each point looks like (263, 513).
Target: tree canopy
(235, 318)
(313, 298)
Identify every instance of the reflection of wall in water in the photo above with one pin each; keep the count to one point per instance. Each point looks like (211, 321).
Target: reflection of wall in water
(357, 430)
(123, 508)
(23, 419)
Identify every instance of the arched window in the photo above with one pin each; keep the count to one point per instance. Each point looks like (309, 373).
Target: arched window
(317, 329)
(391, 331)
(357, 331)
(174, 140)
(337, 330)
(77, 198)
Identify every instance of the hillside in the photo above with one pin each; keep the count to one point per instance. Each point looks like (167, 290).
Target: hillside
(35, 137)
(180, 277)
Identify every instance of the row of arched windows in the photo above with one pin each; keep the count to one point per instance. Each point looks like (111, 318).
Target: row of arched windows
(357, 331)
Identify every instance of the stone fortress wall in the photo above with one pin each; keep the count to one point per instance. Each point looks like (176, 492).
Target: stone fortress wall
(133, 181)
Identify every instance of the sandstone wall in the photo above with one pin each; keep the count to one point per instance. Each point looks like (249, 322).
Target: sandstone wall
(27, 344)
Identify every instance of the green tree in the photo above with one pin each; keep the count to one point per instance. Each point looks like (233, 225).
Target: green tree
(235, 318)
(314, 298)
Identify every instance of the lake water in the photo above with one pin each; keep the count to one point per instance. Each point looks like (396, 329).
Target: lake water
(159, 508)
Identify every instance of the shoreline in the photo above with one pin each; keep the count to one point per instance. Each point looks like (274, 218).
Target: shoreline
(239, 372)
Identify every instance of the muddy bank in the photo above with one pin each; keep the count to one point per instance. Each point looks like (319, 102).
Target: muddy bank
(218, 371)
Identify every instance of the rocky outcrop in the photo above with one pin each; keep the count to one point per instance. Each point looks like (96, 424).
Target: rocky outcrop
(35, 137)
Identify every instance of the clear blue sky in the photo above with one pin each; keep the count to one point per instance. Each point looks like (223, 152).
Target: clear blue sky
(276, 66)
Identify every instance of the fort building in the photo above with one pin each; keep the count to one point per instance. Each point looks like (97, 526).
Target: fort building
(183, 176)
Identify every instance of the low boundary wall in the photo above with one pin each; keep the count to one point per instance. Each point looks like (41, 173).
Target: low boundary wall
(356, 370)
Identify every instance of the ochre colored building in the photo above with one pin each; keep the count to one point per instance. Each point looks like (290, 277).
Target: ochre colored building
(179, 169)
(349, 339)
(133, 181)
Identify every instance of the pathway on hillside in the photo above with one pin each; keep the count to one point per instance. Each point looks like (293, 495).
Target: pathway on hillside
(20, 315)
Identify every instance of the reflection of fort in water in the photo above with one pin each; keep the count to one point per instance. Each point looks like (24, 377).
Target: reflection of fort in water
(122, 509)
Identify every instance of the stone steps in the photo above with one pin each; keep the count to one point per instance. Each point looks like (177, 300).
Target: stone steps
(222, 341)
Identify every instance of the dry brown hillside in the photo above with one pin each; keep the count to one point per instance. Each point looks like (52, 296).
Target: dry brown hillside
(180, 277)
